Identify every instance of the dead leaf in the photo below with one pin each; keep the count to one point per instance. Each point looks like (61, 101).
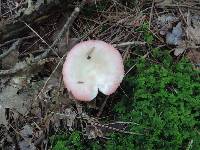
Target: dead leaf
(3, 82)
(10, 98)
(71, 117)
(194, 56)
(180, 48)
(165, 19)
(163, 3)
(193, 33)
(178, 51)
(192, 30)
(27, 132)
(165, 22)
(175, 37)
(27, 135)
(10, 60)
(93, 132)
(24, 145)
(2, 116)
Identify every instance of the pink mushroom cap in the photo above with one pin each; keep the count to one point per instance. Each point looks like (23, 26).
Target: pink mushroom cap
(91, 66)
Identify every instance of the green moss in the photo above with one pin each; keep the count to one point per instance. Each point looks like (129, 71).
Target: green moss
(146, 33)
(67, 141)
(165, 102)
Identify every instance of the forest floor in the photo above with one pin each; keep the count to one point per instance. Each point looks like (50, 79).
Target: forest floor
(158, 103)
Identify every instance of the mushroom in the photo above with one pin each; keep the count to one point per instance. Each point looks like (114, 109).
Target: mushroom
(91, 66)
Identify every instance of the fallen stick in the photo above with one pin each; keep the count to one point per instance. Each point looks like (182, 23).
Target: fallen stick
(67, 25)
(14, 46)
(129, 43)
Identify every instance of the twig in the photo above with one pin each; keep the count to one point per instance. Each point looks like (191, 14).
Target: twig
(151, 14)
(125, 53)
(182, 15)
(45, 54)
(130, 69)
(102, 106)
(23, 66)
(14, 46)
(122, 122)
(38, 12)
(13, 40)
(40, 139)
(59, 63)
(129, 43)
(67, 25)
(41, 51)
(0, 7)
(124, 92)
(177, 5)
(18, 133)
(50, 47)
(190, 144)
(114, 129)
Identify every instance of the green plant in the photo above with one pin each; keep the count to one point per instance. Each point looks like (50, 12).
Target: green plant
(165, 102)
(60, 145)
(147, 34)
(74, 141)
(67, 141)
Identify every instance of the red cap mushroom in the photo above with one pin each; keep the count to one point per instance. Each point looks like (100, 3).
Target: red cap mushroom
(91, 66)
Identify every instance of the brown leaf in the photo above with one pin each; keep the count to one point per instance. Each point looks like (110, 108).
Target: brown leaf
(193, 33)
(194, 56)
(163, 3)
(2, 116)
(93, 132)
(10, 60)
(11, 98)
(178, 51)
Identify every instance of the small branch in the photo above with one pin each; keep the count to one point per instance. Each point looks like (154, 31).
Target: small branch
(40, 139)
(0, 7)
(13, 70)
(102, 106)
(38, 12)
(43, 88)
(39, 58)
(67, 25)
(14, 46)
(50, 47)
(13, 40)
(178, 5)
(129, 43)
(23, 67)
(151, 14)
(190, 145)
(130, 69)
